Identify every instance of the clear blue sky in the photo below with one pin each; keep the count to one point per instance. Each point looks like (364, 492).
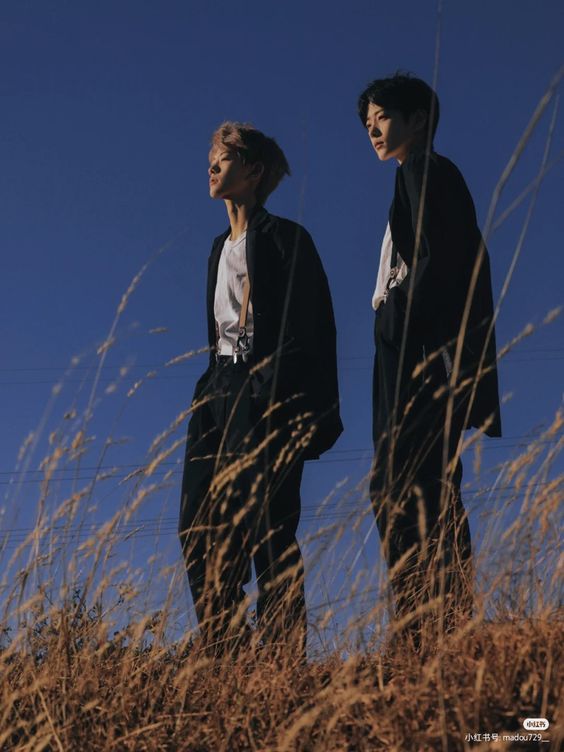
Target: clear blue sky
(107, 111)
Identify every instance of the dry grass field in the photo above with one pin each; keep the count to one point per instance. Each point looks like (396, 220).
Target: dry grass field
(77, 674)
(90, 693)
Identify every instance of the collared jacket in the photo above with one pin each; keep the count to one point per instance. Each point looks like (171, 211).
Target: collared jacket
(435, 231)
(294, 326)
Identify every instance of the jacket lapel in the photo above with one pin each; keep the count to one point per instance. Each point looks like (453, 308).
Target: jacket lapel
(213, 264)
(400, 223)
(257, 221)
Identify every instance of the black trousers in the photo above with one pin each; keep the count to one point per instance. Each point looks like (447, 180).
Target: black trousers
(241, 505)
(415, 489)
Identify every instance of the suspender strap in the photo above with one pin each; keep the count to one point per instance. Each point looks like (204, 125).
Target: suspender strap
(243, 346)
(245, 303)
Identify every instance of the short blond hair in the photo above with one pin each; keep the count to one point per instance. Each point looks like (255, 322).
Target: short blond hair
(253, 146)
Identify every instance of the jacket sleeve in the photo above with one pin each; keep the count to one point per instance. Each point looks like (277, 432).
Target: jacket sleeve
(442, 221)
(309, 301)
(309, 331)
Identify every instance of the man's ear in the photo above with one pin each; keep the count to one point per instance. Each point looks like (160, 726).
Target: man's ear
(257, 170)
(419, 120)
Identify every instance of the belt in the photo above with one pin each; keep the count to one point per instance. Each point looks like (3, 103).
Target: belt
(231, 360)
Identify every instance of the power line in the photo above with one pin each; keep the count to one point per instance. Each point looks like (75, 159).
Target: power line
(151, 526)
(363, 452)
(190, 362)
(362, 455)
(551, 354)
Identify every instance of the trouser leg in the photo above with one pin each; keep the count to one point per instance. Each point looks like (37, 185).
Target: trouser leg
(425, 537)
(196, 523)
(281, 609)
(430, 560)
(450, 547)
(421, 520)
(271, 486)
(214, 540)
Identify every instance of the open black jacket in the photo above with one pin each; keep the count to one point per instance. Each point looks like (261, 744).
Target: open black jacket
(294, 326)
(448, 247)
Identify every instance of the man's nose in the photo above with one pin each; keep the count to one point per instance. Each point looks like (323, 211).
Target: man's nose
(374, 130)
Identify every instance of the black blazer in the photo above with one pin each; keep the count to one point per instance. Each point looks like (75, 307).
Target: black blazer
(294, 325)
(449, 244)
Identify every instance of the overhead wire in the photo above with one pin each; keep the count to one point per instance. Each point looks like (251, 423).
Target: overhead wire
(108, 472)
(519, 356)
(157, 525)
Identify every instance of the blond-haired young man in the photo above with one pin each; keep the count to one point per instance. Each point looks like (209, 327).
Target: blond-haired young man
(267, 401)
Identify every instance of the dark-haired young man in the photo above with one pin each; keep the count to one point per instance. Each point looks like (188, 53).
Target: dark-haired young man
(435, 364)
(267, 402)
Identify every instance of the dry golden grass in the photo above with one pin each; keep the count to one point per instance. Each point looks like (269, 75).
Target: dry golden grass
(79, 672)
(87, 692)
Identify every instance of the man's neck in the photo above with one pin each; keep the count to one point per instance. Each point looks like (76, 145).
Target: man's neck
(239, 213)
(418, 145)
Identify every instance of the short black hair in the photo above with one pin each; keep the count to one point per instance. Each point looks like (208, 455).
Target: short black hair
(403, 92)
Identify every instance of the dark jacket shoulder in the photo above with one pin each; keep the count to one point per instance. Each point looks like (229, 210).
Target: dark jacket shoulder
(440, 179)
(418, 161)
(288, 235)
